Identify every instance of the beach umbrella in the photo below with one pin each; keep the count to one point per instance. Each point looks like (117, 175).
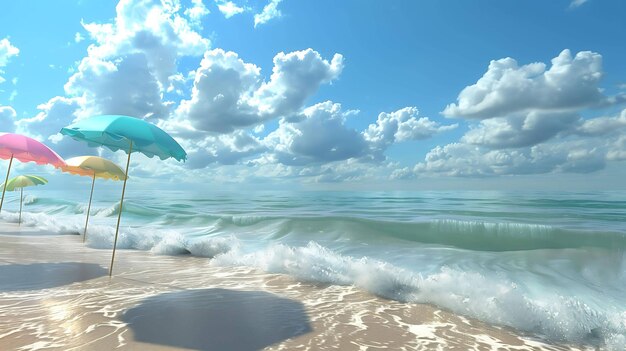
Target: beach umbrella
(25, 149)
(94, 167)
(21, 182)
(130, 135)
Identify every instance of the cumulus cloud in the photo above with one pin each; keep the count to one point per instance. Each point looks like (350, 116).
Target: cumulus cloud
(617, 150)
(153, 28)
(270, 11)
(459, 159)
(221, 94)
(313, 145)
(295, 77)
(78, 37)
(576, 3)
(126, 86)
(7, 119)
(586, 146)
(506, 88)
(53, 115)
(228, 8)
(603, 126)
(520, 131)
(196, 12)
(129, 66)
(529, 121)
(230, 94)
(226, 149)
(402, 125)
(318, 136)
(7, 51)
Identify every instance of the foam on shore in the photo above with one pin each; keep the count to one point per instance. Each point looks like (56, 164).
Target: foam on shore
(339, 313)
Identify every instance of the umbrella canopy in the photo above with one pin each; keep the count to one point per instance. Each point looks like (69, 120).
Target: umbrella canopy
(23, 181)
(128, 134)
(117, 132)
(20, 182)
(95, 167)
(25, 149)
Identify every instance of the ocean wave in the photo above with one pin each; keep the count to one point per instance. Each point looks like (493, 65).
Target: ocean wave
(30, 199)
(563, 318)
(488, 297)
(362, 227)
(471, 235)
(478, 235)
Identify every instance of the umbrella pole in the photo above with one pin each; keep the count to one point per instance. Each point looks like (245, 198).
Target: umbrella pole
(5, 183)
(19, 221)
(89, 207)
(119, 215)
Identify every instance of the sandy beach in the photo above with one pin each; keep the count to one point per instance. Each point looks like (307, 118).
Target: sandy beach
(55, 294)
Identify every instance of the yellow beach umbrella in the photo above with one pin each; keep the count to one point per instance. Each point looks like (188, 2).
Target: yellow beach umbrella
(20, 182)
(94, 167)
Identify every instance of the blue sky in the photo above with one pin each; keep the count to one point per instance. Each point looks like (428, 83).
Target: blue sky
(408, 94)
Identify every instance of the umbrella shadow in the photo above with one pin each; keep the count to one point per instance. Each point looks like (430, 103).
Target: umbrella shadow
(36, 276)
(217, 319)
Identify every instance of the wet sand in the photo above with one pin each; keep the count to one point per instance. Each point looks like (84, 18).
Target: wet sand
(55, 294)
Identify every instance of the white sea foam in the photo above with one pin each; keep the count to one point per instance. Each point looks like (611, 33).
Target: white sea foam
(479, 294)
(468, 293)
(212, 246)
(30, 199)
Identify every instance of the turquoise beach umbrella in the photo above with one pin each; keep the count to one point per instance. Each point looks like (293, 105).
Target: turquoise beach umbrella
(20, 182)
(130, 135)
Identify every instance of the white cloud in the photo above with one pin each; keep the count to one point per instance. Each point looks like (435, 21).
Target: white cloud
(78, 37)
(603, 126)
(402, 125)
(229, 8)
(196, 12)
(529, 121)
(270, 11)
(151, 27)
(229, 93)
(221, 94)
(617, 150)
(7, 119)
(460, 159)
(314, 145)
(318, 136)
(130, 65)
(295, 77)
(571, 83)
(503, 147)
(53, 115)
(402, 173)
(125, 86)
(7, 51)
(585, 146)
(227, 149)
(577, 3)
(520, 130)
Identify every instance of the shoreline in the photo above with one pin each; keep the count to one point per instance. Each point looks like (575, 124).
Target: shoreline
(56, 294)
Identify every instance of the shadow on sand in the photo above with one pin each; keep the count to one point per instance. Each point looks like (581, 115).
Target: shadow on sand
(217, 319)
(35, 276)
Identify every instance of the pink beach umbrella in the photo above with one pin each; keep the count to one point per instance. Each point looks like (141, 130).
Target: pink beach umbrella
(25, 149)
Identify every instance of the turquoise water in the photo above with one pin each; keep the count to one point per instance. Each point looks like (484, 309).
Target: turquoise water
(552, 264)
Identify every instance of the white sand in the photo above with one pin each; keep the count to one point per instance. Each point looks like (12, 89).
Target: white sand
(55, 294)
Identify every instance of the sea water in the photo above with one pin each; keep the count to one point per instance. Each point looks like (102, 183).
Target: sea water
(550, 264)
